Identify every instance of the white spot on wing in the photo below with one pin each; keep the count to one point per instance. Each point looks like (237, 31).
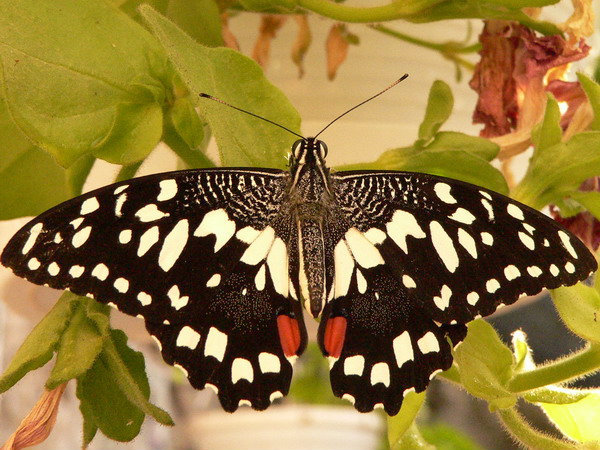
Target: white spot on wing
(53, 269)
(76, 271)
(144, 298)
(260, 278)
(259, 249)
(566, 241)
(403, 224)
(403, 349)
(488, 206)
(81, 237)
(277, 261)
(569, 267)
(188, 337)
(100, 272)
(34, 232)
(121, 285)
(354, 365)
(364, 252)
(241, 369)
(486, 195)
(375, 235)
(443, 246)
(125, 236)
(526, 240)
(216, 222)
(33, 264)
(463, 216)
(90, 205)
(247, 234)
(428, 343)
(269, 363)
(275, 395)
(408, 282)
(177, 301)
(380, 373)
(534, 271)
(554, 270)
(492, 285)
(511, 272)
(148, 239)
(515, 211)
(487, 238)
(467, 241)
(119, 204)
(168, 190)
(150, 213)
(76, 222)
(216, 344)
(214, 280)
(173, 245)
(344, 267)
(443, 301)
(361, 282)
(120, 189)
(472, 298)
(442, 190)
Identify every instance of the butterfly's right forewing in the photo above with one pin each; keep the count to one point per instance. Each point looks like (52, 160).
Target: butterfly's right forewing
(200, 255)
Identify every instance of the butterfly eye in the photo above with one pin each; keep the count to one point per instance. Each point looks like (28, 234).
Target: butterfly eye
(296, 149)
(322, 150)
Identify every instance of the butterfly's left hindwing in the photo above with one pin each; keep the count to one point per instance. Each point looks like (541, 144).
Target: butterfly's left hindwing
(200, 255)
(421, 256)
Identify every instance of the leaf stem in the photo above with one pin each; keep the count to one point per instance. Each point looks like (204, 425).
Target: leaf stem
(193, 158)
(532, 438)
(449, 50)
(573, 366)
(392, 11)
(127, 172)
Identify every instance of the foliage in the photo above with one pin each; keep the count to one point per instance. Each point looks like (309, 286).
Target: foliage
(131, 79)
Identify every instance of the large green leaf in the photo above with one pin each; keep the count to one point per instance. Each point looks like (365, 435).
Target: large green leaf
(579, 308)
(485, 365)
(400, 424)
(39, 346)
(243, 140)
(67, 70)
(439, 107)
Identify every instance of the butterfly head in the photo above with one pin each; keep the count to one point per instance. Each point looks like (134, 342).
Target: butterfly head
(308, 151)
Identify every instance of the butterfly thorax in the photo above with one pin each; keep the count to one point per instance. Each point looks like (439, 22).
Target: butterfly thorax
(311, 198)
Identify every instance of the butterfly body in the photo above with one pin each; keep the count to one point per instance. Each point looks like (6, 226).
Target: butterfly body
(220, 263)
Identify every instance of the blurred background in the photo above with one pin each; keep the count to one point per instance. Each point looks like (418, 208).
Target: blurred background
(311, 417)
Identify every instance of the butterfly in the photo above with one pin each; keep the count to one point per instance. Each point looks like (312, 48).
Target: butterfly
(221, 262)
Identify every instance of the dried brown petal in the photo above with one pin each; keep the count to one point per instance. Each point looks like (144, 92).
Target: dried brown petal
(581, 23)
(570, 92)
(38, 424)
(337, 49)
(228, 37)
(583, 225)
(302, 42)
(270, 24)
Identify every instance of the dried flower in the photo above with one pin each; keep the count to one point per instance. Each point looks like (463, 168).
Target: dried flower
(270, 24)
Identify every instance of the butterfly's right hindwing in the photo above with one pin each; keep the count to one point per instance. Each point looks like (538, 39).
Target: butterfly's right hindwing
(198, 254)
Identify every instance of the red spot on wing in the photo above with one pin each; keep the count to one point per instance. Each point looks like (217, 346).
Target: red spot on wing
(289, 334)
(335, 333)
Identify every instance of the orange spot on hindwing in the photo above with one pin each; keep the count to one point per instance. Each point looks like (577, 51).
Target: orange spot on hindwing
(335, 334)
(289, 334)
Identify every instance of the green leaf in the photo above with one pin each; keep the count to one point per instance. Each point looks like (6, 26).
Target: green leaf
(446, 437)
(592, 90)
(39, 346)
(412, 440)
(80, 343)
(63, 92)
(439, 108)
(103, 401)
(549, 131)
(89, 429)
(485, 365)
(128, 369)
(577, 420)
(579, 307)
(399, 424)
(559, 170)
(243, 140)
(590, 200)
(136, 130)
(281, 6)
(522, 352)
(186, 122)
(474, 145)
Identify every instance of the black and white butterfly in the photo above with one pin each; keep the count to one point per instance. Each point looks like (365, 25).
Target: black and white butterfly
(220, 263)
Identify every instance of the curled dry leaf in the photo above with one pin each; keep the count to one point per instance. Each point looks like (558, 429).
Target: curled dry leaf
(270, 24)
(38, 424)
(511, 80)
(337, 49)
(302, 42)
(228, 37)
(581, 23)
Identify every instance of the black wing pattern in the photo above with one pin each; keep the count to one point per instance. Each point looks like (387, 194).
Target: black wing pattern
(422, 256)
(200, 255)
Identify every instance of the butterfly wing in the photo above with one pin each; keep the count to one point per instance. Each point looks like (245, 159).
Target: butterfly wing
(436, 253)
(200, 255)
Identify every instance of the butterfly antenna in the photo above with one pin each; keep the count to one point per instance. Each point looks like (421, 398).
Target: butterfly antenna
(403, 77)
(202, 94)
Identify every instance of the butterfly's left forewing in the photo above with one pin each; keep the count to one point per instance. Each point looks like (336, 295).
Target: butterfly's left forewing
(421, 256)
(200, 255)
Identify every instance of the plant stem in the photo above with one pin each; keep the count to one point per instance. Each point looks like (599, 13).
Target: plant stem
(192, 158)
(127, 172)
(573, 366)
(391, 11)
(532, 438)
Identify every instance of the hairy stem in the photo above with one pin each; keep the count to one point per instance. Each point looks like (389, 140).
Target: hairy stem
(532, 438)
